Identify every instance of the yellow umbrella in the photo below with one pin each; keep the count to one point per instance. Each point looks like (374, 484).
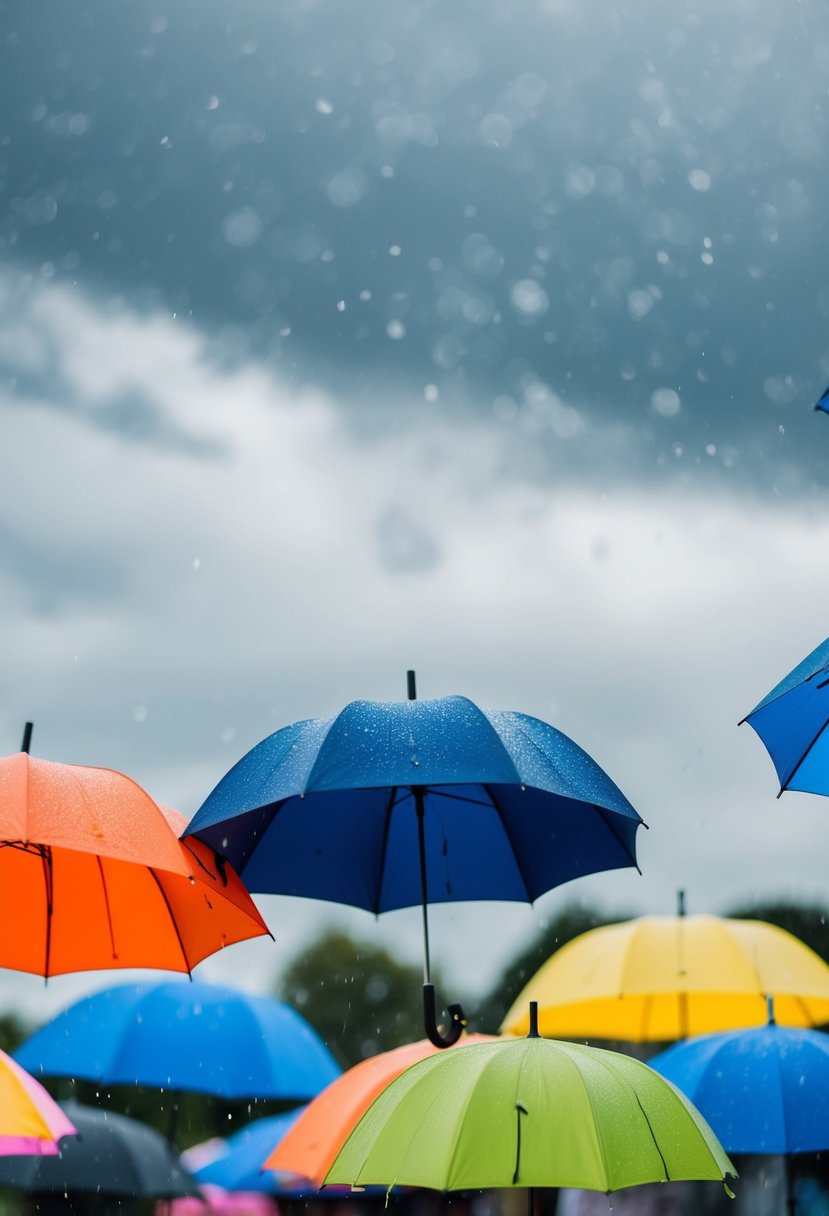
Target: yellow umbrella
(658, 978)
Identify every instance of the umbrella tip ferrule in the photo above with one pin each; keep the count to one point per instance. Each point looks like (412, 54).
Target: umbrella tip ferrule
(411, 686)
(532, 1033)
(770, 1009)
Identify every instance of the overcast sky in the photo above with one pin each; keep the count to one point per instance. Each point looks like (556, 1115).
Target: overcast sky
(342, 338)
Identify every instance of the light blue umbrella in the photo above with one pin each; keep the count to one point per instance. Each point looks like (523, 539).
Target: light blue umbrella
(237, 1165)
(390, 805)
(763, 1090)
(182, 1035)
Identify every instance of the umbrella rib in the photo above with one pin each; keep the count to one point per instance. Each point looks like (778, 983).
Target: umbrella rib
(438, 792)
(184, 842)
(646, 1017)
(253, 840)
(783, 1102)
(808, 1020)
(49, 882)
(784, 785)
(100, 861)
(653, 1137)
(391, 802)
(500, 813)
(604, 814)
(172, 921)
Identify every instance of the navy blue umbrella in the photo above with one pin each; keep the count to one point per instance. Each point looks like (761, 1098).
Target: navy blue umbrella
(792, 720)
(763, 1091)
(192, 1036)
(390, 805)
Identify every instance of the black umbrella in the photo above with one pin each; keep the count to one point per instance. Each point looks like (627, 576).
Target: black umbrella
(111, 1155)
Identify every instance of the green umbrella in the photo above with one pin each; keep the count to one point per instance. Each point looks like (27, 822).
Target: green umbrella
(529, 1113)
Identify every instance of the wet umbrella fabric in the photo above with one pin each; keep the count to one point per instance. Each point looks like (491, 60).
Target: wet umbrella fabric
(791, 721)
(529, 1113)
(30, 1119)
(191, 1036)
(111, 1155)
(92, 876)
(326, 809)
(762, 1090)
(658, 978)
(309, 1145)
(822, 402)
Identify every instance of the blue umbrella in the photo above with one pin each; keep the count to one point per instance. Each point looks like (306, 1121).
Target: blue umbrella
(181, 1035)
(387, 805)
(764, 1090)
(238, 1164)
(792, 720)
(822, 402)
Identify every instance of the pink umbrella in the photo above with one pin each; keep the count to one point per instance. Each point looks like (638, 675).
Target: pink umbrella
(31, 1122)
(218, 1202)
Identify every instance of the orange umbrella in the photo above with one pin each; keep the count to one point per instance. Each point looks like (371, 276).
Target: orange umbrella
(310, 1145)
(92, 875)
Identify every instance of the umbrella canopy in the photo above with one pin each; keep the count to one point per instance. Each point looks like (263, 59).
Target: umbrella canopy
(389, 805)
(92, 876)
(309, 1146)
(174, 1034)
(237, 1163)
(763, 1090)
(30, 1120)
(791, 721)
(529, 1113)
(234, 1165)
(214, 1201)
(658, 978)
(111, 1155)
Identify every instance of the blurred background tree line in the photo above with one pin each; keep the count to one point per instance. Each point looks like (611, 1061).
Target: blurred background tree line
(363, 1000)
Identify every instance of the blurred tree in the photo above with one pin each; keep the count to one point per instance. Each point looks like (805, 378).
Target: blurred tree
(809, 922)
(13, 1030)
(358, 997)
(573, 920)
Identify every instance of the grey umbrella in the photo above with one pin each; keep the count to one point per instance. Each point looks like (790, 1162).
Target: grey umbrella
(111, 1155)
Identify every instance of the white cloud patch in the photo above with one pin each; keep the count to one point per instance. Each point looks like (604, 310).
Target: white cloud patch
(274, 566)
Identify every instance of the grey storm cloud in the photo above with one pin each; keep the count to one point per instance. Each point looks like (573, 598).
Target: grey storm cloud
(510, 207)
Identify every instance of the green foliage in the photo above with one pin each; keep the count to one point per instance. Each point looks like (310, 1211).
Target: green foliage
(572, 921)
(358, 997)
(13, 1030)
(809, 922)
(185, 1118)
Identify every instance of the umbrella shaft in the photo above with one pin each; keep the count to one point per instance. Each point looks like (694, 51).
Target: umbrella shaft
(418, 792)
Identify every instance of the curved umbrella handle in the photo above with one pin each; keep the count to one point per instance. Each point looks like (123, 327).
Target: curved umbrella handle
(456, 1024)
